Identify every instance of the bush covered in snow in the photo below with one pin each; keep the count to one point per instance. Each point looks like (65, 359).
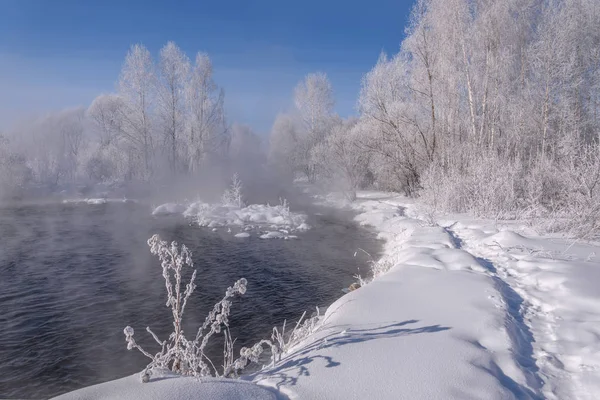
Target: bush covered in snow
(563, 197)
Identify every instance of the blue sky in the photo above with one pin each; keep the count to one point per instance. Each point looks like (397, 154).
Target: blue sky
(62, 53)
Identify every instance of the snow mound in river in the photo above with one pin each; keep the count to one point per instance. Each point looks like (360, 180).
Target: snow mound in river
(254, 215)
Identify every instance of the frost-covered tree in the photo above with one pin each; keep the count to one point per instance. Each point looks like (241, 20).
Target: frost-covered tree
(233, 195)
(14, 172)
(137, 88)
(342, 158)
(106, 114)
(295, 135)
(206, 129)
(284, 152)
(487, 105)
(395, 129)
(313, 98)
(172, 83)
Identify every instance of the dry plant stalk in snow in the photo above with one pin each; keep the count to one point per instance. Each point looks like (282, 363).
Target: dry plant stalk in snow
(188, 357)
(179, 354)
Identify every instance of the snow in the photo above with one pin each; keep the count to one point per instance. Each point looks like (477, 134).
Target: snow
(253, 217)
(169, 209)
(558, 283)
(434, 326)
(272, 235)
(172, 387)
(468, 309)
(242, 235)
(97, 201)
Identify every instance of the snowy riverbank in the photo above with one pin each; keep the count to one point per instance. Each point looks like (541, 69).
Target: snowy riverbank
(466, 310)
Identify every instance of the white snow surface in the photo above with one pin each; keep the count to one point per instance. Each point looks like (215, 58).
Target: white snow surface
(172, 387)
(97, 201)
(169, 209)
(469, 309)
(433, 327)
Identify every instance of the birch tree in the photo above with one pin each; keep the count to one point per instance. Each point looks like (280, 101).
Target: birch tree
(174, 78)
(206, 128)
(313, 98)
(136, 87)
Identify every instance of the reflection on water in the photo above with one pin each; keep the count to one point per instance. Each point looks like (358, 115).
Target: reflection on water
(73, 276)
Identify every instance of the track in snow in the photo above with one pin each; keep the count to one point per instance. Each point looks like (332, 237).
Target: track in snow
(519, 332)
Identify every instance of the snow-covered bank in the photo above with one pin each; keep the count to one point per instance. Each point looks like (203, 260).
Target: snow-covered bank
(461, 309)
(435, 326)
(172, 387)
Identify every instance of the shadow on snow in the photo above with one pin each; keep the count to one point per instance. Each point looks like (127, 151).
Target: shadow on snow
(299, 361)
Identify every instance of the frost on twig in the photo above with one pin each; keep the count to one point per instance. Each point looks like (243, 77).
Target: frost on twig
(280, 343)
(178, 354)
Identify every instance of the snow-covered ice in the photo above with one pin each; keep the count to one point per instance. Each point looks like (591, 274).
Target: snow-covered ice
(275, 217)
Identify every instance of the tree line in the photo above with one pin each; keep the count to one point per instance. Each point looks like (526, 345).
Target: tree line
(489, 107)
(166, 117)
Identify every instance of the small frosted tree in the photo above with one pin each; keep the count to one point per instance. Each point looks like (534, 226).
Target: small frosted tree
(232, 197)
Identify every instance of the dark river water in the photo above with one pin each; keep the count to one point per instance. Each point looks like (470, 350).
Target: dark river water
(73, 276)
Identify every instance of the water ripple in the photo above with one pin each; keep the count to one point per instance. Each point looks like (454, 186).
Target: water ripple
(71, 277)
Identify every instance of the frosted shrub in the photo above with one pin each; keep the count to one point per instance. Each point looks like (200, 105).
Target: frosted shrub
(553, 195)
(188, 357)
(484, 186)
(232, 197)
(286, 341)
(179, 354)
(377, 268)
(584, 198)
(281, 342)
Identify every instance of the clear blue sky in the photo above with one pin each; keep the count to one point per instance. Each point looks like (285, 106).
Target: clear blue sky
(62, 53)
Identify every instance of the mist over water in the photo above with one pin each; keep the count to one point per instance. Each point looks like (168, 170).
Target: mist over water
(74, 275)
